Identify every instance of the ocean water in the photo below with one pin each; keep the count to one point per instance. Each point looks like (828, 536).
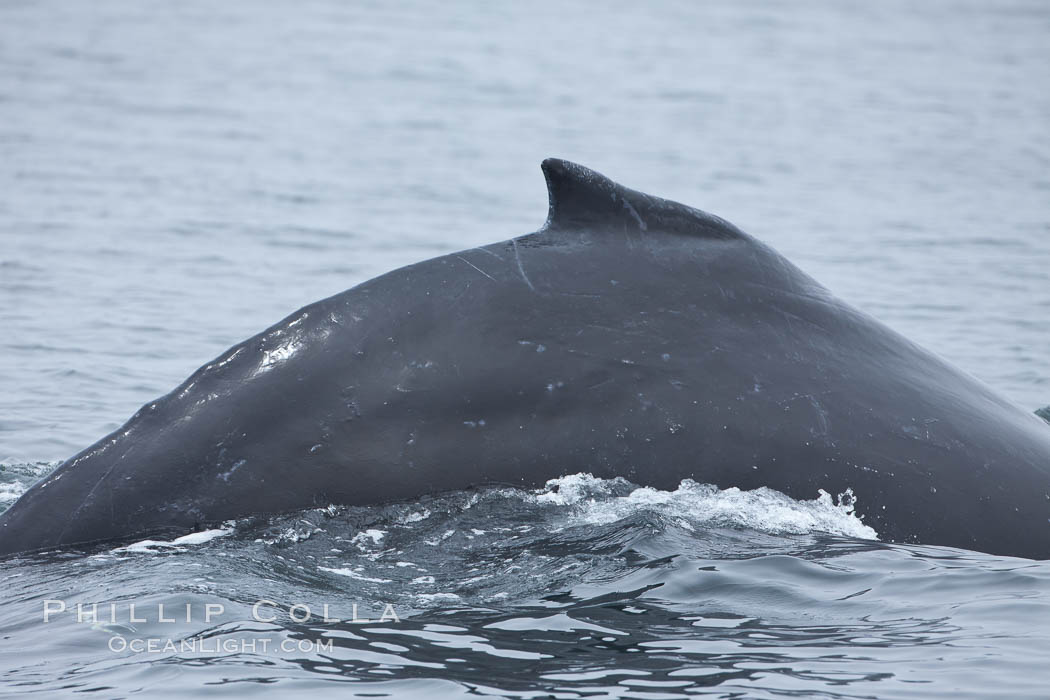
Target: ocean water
(176, 177)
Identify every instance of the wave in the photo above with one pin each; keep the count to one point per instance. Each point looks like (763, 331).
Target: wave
(596, 578)
(16, 478)
(493, 545)
(572, 501)
(599, 501)
(582, 499)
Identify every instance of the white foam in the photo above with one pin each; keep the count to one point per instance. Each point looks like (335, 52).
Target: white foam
(203, 536)
(574, 488)
(292, 535)
(432, 598)
(367, 538)
(10, 492)
(350, 573)
(592, 502)
(177, 544)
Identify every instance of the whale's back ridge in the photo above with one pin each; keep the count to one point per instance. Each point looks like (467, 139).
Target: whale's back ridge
(583, 198)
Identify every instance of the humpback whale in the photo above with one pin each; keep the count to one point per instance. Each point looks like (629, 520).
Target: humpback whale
(630, 336)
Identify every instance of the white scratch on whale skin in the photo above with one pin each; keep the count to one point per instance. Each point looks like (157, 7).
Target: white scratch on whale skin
(540, 347)
(478, 268)
(634, 213)
(521, 268)
(225, 476)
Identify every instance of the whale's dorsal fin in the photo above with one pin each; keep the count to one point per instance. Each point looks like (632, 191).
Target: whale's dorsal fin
(583, 198)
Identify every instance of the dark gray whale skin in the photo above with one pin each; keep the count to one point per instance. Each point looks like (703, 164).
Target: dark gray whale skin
(631, 336)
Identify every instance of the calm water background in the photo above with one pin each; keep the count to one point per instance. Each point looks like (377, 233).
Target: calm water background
(176, 177)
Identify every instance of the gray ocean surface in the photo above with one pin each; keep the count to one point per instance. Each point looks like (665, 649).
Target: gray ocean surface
(175, 177)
